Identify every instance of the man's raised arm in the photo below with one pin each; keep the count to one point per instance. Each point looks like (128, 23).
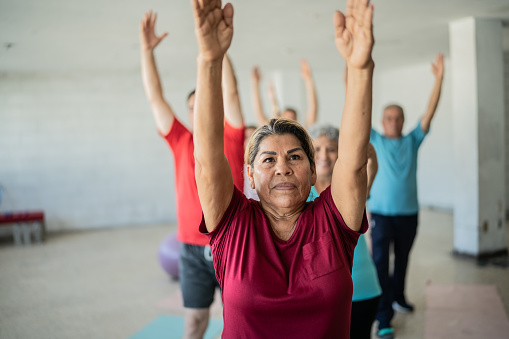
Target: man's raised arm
(232, 108)
(256, 97)
(312, 110)
(438, 71)
(163, 114)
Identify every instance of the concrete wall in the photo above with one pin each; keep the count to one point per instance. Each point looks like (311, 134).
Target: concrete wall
(83, 147)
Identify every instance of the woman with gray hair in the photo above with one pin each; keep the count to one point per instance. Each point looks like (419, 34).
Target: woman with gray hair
(366, 288)
(283, 264)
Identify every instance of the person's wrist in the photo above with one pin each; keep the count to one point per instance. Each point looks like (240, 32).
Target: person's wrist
(367, 66)
(209, 60)
(147, 49)
(363, 71)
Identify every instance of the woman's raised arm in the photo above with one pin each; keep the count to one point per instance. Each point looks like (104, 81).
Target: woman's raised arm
(354, 41)
(214, 32)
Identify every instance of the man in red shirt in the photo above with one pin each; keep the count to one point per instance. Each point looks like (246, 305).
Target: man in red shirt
(197, 275)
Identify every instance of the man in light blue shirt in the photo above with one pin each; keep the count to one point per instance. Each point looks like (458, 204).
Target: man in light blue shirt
(393, 201)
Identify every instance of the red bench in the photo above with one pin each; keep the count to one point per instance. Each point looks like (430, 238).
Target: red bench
(25, 225)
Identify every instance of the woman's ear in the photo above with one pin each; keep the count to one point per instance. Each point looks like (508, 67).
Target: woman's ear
(250, 173)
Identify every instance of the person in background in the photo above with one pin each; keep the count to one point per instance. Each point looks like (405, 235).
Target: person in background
(393, 200)
(289, 113)
(366, 289)
(196, 271)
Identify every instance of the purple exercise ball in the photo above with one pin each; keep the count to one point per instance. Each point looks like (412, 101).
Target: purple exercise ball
(168, 255)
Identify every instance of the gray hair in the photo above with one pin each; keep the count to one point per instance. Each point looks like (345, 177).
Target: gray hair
(279, 126)
(396, 106)
(328, 130)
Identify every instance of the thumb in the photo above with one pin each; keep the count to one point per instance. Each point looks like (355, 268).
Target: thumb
(339, 23)
(228, 14)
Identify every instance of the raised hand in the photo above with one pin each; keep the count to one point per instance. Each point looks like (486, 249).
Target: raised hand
(255, 75)
(213, 28)
(354, 33)
(305, 69)
(438, 66)
(148, 38)
(272, 92)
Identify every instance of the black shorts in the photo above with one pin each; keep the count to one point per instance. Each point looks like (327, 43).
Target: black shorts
(197, 276)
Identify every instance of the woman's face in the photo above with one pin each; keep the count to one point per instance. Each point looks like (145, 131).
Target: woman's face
(281, 172)
(326, 154)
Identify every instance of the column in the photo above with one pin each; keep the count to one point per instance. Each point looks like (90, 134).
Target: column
(477, 74)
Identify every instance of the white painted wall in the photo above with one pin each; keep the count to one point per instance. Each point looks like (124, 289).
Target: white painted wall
(83, 147)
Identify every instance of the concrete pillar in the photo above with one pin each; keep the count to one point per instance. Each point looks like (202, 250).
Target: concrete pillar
(477, 73)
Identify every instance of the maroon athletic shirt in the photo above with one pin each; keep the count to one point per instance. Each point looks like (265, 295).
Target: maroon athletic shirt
(300, 288)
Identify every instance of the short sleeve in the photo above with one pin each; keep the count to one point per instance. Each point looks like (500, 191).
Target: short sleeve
(325, 211)
(222, 236)
(374, 136)
(329, 204)
(176, 134)
(418, 134)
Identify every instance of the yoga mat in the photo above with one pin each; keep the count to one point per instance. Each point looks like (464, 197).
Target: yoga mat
(171, 327)
(455, 311)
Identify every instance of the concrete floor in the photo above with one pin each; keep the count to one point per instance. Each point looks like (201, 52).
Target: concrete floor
(107, 283)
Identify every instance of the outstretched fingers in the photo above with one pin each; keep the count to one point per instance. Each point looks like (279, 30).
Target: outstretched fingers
(227, 13)
(350, 6)
(153, 20)
(339, 23)
(197, 11)
(361, 16)
(343, 37)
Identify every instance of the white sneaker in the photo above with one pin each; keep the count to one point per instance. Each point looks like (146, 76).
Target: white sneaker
(402, 307)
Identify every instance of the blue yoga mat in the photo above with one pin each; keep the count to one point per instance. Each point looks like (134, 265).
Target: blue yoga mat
(171, 327)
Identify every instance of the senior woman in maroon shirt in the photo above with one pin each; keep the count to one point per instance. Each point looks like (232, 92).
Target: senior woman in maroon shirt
(283, 264)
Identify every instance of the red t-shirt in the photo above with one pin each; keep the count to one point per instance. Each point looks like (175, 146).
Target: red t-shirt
(189, 212)
(300, 288)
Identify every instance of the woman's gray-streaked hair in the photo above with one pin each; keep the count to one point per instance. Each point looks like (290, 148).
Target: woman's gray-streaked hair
(279, 126)
(328, 130)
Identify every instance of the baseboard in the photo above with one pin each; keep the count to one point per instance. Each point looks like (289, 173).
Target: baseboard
(481, 256)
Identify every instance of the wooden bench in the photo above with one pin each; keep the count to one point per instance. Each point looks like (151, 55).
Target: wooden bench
(26, 225)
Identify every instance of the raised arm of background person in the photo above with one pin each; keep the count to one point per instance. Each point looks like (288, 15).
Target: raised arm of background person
(354, 41)
(371, 167)
(214, 32)
(312, 111)
(438, 71)
(276, 112)
(163, 114)
(261, 117)
(232, 109)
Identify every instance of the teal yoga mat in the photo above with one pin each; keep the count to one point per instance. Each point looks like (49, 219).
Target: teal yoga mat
(171, 327)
